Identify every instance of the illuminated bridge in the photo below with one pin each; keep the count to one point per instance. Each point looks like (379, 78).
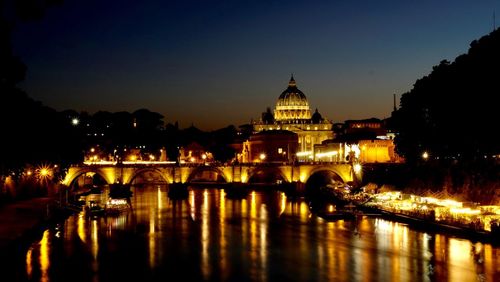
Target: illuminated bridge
(262, 173)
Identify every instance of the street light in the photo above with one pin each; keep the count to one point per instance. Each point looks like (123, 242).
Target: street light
(75, 121)
(425, 155)
(262, 157)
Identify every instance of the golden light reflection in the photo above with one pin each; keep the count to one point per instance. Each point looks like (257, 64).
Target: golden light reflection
(460, 260)
(263, 242)
(304, 211)
(81, 228)
(223, 241)
(94, 239)
(152, 241)
(160, 199)
(253, 206)
(29, 265)
(491, 262)
(205, 237)
(44, 256)
(192, 205)
(282, 202)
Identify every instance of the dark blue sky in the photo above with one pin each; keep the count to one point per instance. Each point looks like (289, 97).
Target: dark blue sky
(215, 63)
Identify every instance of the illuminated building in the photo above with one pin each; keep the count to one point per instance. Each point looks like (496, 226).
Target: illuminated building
(269, 146)
(292, 113)
(366, 141)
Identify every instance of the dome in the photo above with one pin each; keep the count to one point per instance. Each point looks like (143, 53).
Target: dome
(292, 104)
(316, 117)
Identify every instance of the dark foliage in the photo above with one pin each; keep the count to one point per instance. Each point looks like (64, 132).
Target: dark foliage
(452, 113)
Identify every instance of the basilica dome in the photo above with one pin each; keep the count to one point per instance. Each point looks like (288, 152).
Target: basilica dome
(292, 104)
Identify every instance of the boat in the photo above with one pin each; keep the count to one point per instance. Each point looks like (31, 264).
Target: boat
(330, 211)
(115, 206)
(94, 209)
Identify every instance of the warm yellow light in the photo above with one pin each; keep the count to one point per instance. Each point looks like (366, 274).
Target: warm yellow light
(151, 157)
(204, 156)
(44, 172)
(425, 155)
(28, 172)
(75, 121)
(92, 150)
(357, 168)
(262, 156)
(304, 154)
(192, 159)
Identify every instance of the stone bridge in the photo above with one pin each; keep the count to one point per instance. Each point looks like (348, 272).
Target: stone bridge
(241, 173)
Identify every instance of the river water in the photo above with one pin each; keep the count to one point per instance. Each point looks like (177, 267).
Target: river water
(263, 236)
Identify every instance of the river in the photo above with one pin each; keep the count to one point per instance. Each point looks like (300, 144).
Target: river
(263, 236)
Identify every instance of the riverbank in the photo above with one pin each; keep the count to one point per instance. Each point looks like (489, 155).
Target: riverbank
(23, 219)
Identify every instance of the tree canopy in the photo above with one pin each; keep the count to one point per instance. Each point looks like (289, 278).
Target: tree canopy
(452, 112)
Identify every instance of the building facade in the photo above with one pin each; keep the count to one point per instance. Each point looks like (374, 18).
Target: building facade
(292, 113)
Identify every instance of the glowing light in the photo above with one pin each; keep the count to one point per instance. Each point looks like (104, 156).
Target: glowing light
(44, 256)
(75, 121)
(44, 172)
(92, 150)
(262, 156)
(29, 172)
(326, 154)
(304, 154)
(303, 177)
(152, 157)
(204, 156)
(357, 168)
(425, 155)
(192, 159)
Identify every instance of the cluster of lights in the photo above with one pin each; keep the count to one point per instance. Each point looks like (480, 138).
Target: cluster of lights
(327, 154)
(304, 154)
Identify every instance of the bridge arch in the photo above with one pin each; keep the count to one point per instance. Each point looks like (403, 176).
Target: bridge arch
(323, 178)
(73, 176)
(205, 171)
(328, 169)
(266, 175)
(164, 176)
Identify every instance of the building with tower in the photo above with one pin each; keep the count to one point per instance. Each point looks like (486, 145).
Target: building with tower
(292, 113)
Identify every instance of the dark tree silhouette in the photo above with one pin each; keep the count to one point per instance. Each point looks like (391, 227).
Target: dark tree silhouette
(452, 113)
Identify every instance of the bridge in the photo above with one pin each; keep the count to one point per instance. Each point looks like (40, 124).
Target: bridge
(265, 173)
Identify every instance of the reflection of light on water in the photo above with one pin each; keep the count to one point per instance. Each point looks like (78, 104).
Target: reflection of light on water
(160, 199)
(205, 236)
(491, 262)
(263, 242)
(94, 239)
(81, 228)
(253, 206)
(152, 241)
(222, 227)
(192, 205)
(304, 211)
(460, 260)
(282, 202)
(29, 265)
(253, 233)
(94, 245)
(44, 256)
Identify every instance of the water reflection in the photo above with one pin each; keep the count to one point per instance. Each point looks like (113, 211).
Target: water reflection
(263, 236)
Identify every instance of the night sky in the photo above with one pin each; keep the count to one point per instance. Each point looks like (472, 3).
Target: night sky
(215, 63)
